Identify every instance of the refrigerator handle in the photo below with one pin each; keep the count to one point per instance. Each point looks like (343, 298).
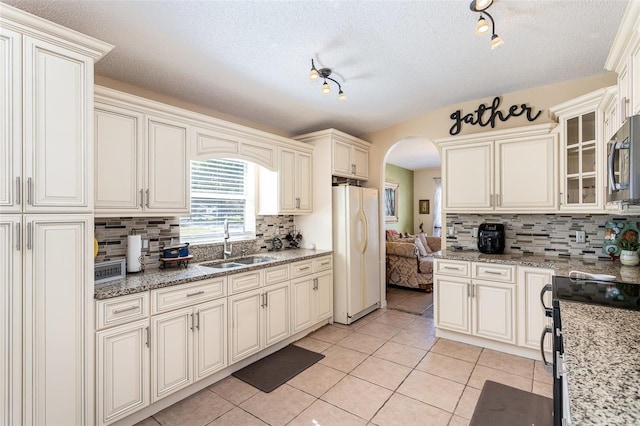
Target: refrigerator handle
(362, 219)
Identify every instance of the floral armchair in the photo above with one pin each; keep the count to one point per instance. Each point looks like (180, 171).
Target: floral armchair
(408, 260)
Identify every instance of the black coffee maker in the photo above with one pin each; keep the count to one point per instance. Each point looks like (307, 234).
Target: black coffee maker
(491, 238)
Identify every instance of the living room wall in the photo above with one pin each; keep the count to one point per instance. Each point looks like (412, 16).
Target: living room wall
(404, 179)
(424, 187)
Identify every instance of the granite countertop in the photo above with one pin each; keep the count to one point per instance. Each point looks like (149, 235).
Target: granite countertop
(561, 265)
(602, 356)
(135, 283)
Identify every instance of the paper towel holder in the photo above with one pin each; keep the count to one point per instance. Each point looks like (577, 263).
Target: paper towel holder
(134, 252)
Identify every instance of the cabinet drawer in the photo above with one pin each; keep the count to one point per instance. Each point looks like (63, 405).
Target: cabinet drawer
(276, 274)
(493, 272)
(167, 299)
(322, 264)
(456, 268)
(302, 268)
(245, 281)
(123, 309)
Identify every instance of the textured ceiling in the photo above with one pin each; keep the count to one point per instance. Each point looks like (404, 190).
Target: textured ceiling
(396, 59)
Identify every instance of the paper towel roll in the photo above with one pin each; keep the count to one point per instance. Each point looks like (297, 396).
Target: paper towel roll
(134, 253)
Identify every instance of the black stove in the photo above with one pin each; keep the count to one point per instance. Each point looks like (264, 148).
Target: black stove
(607, 293)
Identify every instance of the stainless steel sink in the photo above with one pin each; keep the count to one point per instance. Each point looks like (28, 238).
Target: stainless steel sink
(238, 263)
(253, 260)
(225, 265)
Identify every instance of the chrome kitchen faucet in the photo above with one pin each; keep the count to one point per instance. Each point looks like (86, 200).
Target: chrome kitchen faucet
(226, 253)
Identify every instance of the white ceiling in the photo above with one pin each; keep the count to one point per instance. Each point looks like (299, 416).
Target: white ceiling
(397, 60)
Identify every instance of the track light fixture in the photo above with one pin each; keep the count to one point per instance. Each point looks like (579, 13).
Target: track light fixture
(482, 26)
(324, 74)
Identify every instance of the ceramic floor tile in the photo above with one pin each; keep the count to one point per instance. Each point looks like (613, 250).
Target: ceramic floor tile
(312, 344)
(482, 373)
(401, 410)
(507, 363)
(401, 354)
(446, 367)
(316, 379)
(237, 416)
(321, 413)
(381, 372)
(544, 389)
(422, 324)
(458, 421)
(395, 320)
(458, 350)
(234, 390)
(362, 342)
(197, 410)
(415, 339)
(279, 406)
(540, 375)
(467, 403)
(383, 331)
(149, 421)
(433, 390)
(330, 334)
(357, 396)
(342, 359)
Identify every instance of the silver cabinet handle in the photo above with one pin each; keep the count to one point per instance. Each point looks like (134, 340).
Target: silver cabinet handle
(141, 198)
(148, 333)
(491, 200)
(324, 263)
(198, 320)
(18, 190)
(127, 309)
(561, 200)
(473, 290)
(29, 191)
(304, 269)
(452, 268)
(297, 202)
(498, 200)
(623, 108)
(193, 323)
(195, 293)
(29, 236)
(18, 239)
(493, 272)
(545, 331)
(262, 304)
(147, 198)
(468, 289)
(266, 300)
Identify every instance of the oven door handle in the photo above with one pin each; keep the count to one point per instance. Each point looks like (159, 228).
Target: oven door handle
(548, 367)
(547, 310)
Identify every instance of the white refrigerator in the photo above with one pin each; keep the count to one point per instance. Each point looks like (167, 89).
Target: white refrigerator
(356, 253)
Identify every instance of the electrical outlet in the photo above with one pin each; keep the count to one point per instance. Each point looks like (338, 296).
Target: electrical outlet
(451, 231)
(474, 232)
(581, 236)
(145, 244)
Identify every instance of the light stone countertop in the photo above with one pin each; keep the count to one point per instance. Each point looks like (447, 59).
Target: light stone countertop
(602, 356)
(135, 283)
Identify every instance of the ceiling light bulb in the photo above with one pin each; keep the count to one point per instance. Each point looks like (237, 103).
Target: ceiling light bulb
(326, 89)
(482, 26)
(313, 74)
(341, 96)
(496, 41)
(480, 5)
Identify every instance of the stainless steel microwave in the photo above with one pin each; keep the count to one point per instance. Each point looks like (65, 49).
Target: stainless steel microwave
(623, 163)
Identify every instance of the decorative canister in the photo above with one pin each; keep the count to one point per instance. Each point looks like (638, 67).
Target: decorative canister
(629, 257)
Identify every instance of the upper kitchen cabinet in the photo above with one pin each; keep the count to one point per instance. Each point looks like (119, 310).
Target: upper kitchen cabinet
(624, 59)
(512, 170)
(349, 155)
(46, 96)
(582, 144)
(142, 157)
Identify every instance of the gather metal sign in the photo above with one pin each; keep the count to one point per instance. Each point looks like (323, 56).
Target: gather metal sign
(486, 115)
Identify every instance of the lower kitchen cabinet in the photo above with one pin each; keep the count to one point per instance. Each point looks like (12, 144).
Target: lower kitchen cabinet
(532, 319)
(187, 345)
(122, 364)
(452, 306)
(492, 308)
(311, 300)
(259, 318)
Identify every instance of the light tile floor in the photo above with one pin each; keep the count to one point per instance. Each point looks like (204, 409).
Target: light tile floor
(387, 368)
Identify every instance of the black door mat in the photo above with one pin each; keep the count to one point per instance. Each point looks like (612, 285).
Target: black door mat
(500, 405)
(271, 371)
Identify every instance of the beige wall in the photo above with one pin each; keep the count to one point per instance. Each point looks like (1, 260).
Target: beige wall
(423, 188)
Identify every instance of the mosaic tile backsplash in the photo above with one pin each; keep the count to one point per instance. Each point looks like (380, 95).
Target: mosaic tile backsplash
(547, 235)
(111, 234)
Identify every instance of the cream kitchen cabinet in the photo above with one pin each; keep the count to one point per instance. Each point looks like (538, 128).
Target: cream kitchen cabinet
(582, 146)
(289, 189)
(312, 294)
(150, 150)
(349, 156)
(481, 303)
(46, 94)
(259, 318)
(531, 316)
(509, 171)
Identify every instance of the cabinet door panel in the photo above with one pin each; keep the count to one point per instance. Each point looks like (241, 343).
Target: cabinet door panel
(531, 314)
(324, 296)
(58, 300)
(57, 101)
(244, 314)
(452, 303)
(10, 121)
(123, 371)
(171, 352)
(168, 167)
(361, 162)
(287, 180)
(304, 182)
(302, 299)
(341, 158)
(211, 338)
(277, 313)
(468, 182)
(118, 146)
(493, 315)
